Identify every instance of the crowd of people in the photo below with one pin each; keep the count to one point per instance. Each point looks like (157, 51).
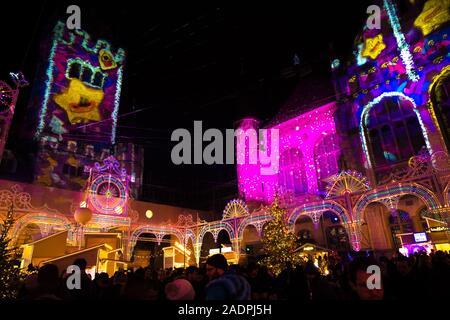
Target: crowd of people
(419, 276)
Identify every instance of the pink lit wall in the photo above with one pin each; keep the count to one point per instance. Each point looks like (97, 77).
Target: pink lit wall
(303, 133)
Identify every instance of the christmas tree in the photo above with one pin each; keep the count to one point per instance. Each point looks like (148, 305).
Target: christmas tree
(279, 242)
(9, 271)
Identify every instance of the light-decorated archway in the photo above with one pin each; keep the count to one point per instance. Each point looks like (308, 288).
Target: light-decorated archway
(214, 228)
(315, 210)
(447, 195)
(43, 220)
(257, 221)
(388, 192)
(437, 80)
(159, 232)
(364, 118)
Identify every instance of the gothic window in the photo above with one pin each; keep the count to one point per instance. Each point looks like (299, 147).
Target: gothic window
(326, 155)
(74, 70)
(292, 171)
(98, 79)
(394, 132)
(441, 103)
(87, 75)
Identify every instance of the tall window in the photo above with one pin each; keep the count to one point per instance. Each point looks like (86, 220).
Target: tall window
(441, 100)
(394, 132)
(292, 171)
(400, 222)
(326, 155)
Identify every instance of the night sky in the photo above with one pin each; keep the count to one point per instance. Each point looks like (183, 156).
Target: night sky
(218, 63)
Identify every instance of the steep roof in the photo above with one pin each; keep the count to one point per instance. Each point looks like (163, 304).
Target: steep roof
(311, 92)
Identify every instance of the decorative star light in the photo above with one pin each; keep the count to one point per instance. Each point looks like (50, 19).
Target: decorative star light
(434, 14)
(80, 102)
(373, 46)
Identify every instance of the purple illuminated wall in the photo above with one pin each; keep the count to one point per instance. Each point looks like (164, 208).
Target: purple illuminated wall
(298, 138)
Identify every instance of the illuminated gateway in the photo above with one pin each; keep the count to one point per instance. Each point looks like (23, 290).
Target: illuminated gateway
(365, 169)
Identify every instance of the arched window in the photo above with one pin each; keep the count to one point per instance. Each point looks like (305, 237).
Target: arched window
(74, 70)
(292, 175)
(400, 222)
(86, 76)
(441, 103)
(326, 155)
(394, 132)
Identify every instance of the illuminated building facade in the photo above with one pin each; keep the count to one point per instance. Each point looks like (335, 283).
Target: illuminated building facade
(371, 166)
(77, 102)
(367, 169)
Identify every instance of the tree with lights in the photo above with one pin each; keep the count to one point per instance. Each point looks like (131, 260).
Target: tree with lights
(279, 242)
(9, 271)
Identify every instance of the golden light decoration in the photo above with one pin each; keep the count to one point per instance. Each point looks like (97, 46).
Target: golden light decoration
(149, 214)
(83, 215)
(434, 14)
(346, 182)
(106, 60)
(234, 209)
(373, 46)
(118, 210)
(80, 102)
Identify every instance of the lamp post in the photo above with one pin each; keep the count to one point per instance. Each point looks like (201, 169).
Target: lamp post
(82, 216)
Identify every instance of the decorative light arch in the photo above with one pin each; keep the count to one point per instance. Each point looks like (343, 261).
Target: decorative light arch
(427, 196)
(365, 117)
(319, 208)
(40, 219)
(437, 79)
(257, 221)
(217, 226)
(159, 232)
(446, 195)
(236, 208)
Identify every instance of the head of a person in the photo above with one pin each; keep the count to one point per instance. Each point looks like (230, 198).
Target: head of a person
(81, 263)
(179, 289)
(192, 273)
(311, 270)
(216, 266)
(102, 280)
(364, 282)
(252, 270)
(48, 277)
(403, 265)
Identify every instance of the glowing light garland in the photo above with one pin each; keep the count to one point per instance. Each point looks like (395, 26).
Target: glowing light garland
(402, 45)
(87, 65)
(217, 226)
(426, 195)
(319, 208)
(116, 105)
(48, 84)
(255, 220)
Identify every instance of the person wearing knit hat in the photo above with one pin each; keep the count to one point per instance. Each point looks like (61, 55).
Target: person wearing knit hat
(224, 285)
(180, 289)
(216, 265)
